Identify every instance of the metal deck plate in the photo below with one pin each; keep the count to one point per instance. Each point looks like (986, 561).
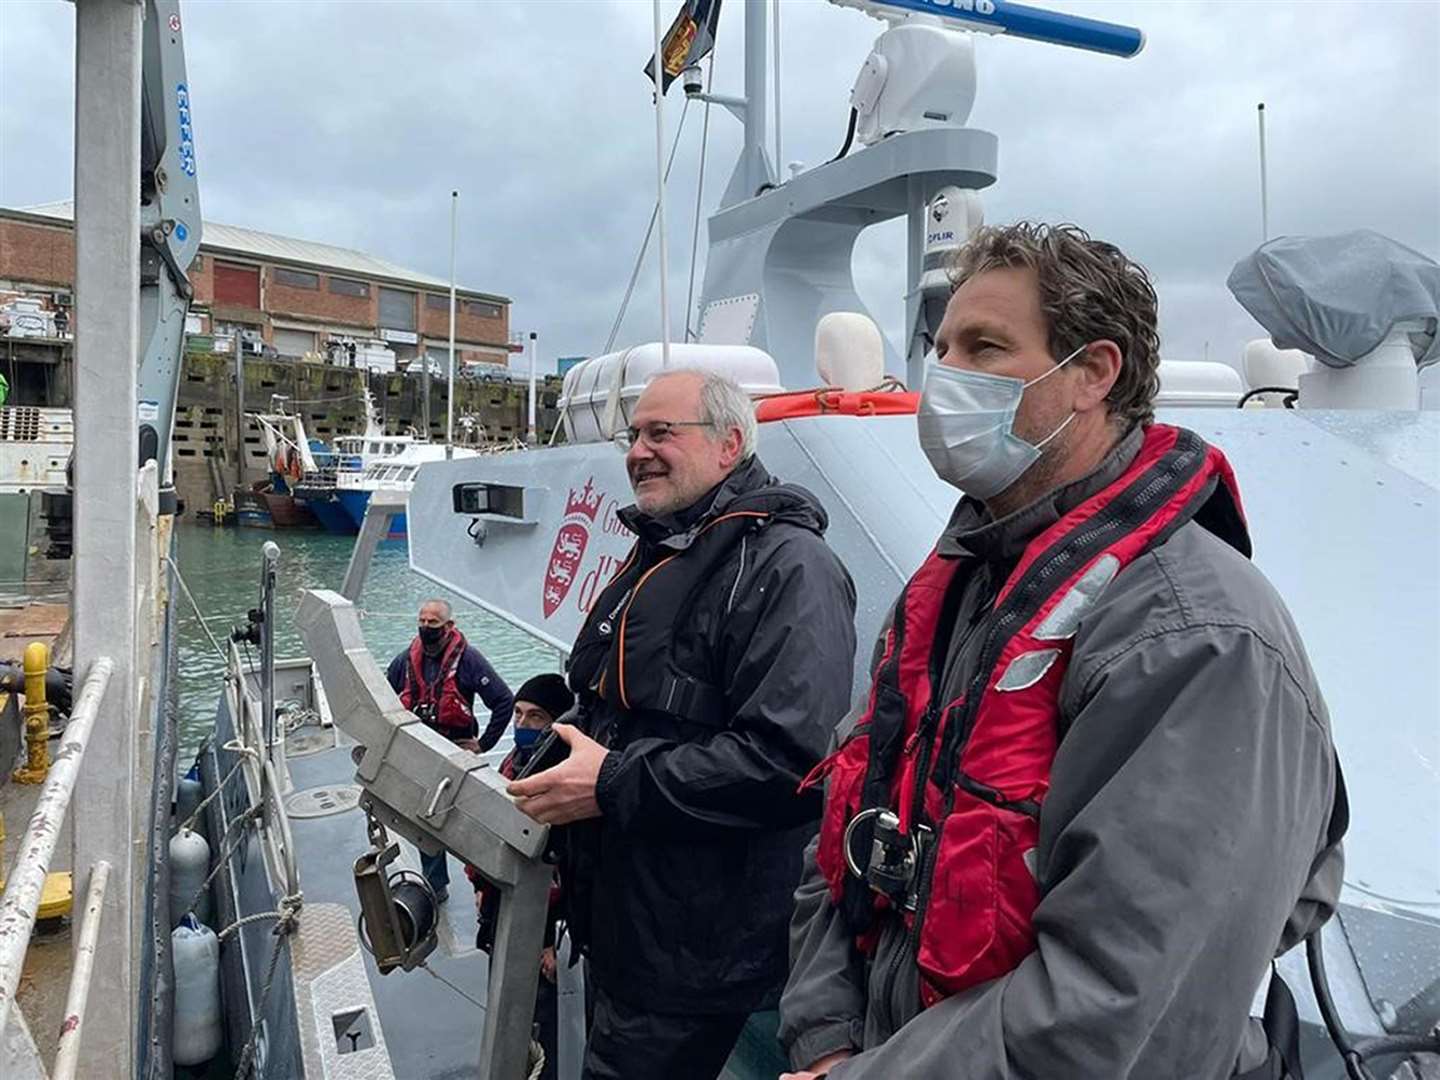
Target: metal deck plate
(309, 740)
(322, 801)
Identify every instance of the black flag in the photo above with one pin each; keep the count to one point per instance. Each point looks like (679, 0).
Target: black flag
(690, 37)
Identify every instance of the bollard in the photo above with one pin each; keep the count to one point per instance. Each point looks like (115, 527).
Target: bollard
(37, 717)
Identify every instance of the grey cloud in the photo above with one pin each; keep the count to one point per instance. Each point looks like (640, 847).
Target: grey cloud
(351, 123)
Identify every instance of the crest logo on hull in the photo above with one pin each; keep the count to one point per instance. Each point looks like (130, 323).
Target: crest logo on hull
(581, 509)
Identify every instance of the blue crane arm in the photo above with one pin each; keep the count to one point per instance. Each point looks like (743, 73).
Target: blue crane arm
(1017, 20)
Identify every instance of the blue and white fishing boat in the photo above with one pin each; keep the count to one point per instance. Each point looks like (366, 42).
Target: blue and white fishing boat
(333, 490)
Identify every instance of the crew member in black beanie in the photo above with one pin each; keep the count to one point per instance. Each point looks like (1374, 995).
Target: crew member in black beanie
(541, 701)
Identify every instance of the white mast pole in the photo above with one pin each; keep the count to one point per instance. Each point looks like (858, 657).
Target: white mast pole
(530, 438)
(450, 391)
(659, 72)
(1264, 184)
(779, 154)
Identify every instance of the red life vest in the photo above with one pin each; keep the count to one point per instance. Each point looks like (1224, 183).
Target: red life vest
(453, 716)
(983, 760)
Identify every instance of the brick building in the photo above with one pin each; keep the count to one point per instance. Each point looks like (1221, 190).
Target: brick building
(281, 296)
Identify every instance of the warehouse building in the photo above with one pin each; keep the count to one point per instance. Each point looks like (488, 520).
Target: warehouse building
(272, 295)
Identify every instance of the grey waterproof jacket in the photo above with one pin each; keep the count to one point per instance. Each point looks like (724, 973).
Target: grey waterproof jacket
(1182, 842)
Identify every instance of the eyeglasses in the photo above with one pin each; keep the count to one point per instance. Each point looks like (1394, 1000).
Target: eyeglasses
(654, 434)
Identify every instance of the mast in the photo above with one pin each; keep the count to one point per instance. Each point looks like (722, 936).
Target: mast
(752, 170)
(779, 149)
(659, 71)
(530, 437)
(1264, 180)
(450, 384)
(107, 286)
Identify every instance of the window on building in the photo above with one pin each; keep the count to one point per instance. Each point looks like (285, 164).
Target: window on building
(296, 279)
(483, 308)
(237, 286)
(349, 287)
(437, 302)
(397, 309)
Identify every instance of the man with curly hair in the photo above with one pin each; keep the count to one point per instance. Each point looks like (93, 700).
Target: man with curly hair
(1092, 792)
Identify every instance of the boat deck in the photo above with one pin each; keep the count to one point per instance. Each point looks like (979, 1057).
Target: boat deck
(429, 1029)
(27, 621)
(45, 980)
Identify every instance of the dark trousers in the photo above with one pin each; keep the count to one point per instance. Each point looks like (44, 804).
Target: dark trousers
(437, 870)
(628, 1044)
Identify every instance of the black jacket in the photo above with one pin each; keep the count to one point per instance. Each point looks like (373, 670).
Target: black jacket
(681, 891)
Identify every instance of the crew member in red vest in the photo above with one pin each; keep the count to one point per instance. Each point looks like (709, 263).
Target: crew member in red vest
(1092, 793)
(438, 678)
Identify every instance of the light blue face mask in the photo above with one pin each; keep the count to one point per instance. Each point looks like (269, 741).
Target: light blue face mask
(966, 421)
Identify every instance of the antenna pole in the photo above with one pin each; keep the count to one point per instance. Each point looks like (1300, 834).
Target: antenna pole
(450, 391)
(1264, 184)
(659, 71)
(530, 438)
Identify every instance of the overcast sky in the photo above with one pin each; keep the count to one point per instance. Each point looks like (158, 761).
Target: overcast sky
(350, 123)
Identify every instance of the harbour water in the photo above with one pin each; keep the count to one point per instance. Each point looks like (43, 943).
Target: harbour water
(222, 568)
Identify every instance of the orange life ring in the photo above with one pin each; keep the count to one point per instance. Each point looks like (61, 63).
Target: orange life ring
(827, 401)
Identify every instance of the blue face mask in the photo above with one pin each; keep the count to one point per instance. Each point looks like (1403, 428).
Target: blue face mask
(527, 737)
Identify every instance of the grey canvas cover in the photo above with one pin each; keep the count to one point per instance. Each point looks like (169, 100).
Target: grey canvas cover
(1336, 297)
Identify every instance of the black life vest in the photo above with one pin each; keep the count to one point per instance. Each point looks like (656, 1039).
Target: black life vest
(625, 652)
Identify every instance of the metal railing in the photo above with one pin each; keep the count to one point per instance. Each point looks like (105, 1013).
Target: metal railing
(67, 1057)
(259, 770)
(21, 901)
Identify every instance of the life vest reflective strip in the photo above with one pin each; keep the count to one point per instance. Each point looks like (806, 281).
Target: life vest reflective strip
(452, 714)
(983, 760)
(827, 401)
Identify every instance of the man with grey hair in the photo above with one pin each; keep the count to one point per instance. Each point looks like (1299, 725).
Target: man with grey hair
(438, 678)
(710, 674)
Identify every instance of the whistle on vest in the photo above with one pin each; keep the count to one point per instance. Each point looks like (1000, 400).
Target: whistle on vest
(892, 866)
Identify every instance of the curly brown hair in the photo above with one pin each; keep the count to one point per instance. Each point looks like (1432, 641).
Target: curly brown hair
(1089, 291)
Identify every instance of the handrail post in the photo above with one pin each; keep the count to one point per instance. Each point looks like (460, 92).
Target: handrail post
(67, 1057)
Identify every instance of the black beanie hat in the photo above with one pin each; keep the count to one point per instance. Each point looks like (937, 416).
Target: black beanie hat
(549, 692)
